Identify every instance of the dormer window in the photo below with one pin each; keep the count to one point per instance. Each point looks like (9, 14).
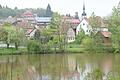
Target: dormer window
(83, 24)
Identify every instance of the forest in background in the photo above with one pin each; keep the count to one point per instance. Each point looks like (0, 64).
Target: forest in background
(5, 11)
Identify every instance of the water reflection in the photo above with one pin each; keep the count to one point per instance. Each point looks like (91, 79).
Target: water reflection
(60, 67)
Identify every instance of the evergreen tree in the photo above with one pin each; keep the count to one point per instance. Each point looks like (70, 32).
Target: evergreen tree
(48, 11)
(15, 8)
(0, 7)
(7, 7)
(76, 15)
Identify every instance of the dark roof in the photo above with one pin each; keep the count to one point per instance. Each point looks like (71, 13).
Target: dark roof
(43, 19)
(84, 14)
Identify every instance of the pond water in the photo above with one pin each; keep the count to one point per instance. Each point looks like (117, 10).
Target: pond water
(60, 67)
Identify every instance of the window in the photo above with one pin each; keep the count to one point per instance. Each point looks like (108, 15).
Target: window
(83, 24)
(69, 38)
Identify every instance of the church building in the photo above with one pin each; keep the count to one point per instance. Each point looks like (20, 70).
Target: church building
(84, 24)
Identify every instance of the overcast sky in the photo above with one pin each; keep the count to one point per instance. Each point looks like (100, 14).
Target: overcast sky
(100, 7)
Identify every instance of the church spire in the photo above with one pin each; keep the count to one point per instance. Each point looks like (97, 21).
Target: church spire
(84, 14)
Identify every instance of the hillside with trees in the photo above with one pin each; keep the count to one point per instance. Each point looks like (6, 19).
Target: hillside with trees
(5, 11)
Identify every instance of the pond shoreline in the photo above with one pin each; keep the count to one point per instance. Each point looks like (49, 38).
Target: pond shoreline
(68, 51)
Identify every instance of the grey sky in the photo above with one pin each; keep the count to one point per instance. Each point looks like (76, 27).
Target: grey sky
(100, 7)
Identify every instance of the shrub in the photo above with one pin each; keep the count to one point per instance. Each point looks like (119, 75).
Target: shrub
(33, 46)
(88, 44)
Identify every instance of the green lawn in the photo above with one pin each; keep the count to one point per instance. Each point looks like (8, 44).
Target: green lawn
(5, 51)
(75, 50)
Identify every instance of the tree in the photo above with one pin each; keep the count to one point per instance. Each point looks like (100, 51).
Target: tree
(0, 7)
(89, 44)
(56, 24)
(48, 11)
(51, 35)
(5, 11)
(18, 37)
(95, 22)
(8, 31)
(114, 27)
(80, 37)
(12, 35)
(15, 8)
(33, 46)
(37, 35)
(55, 21)
(7, 7)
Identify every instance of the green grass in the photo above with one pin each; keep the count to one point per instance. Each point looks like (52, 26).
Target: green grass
(71, 49)
(5, 51)
(75, 50)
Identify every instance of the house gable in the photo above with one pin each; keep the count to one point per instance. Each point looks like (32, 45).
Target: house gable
(85, 26)
(70, 35)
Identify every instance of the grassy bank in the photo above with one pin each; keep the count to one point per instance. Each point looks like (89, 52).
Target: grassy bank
(5, 51)
(75, 50)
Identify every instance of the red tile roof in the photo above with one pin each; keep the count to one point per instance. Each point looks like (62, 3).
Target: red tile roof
(75, 21)
(29, 31)
(28, 14)
(106, 34)
(71, 20)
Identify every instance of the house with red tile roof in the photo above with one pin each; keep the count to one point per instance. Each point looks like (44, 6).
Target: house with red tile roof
(69, 25)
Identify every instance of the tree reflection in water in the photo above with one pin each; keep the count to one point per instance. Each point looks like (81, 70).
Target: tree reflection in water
(60, 67)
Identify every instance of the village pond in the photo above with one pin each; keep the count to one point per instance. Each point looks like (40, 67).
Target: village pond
(60, 67)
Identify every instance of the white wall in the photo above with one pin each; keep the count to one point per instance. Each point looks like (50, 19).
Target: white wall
(85, 26)
(104, 29)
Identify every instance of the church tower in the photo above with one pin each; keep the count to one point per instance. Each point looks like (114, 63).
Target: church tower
(84, 13)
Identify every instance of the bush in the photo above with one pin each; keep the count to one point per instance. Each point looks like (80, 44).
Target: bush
(33, 46)
(109, 49)
(88, 44)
